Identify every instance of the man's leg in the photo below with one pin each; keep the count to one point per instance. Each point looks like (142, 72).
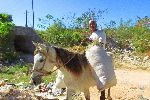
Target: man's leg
(102, 97)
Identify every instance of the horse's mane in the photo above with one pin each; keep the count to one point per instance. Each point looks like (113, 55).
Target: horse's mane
(73, 62)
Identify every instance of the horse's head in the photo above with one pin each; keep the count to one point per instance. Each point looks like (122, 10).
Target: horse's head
(44, 61)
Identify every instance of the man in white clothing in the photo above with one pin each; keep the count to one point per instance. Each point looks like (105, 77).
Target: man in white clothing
(101, 63)
(97, 34)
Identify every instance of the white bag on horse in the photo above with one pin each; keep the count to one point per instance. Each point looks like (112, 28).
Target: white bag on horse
(59, 82)
(102, 67)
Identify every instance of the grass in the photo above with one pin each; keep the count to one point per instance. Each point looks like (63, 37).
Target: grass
(18, 73)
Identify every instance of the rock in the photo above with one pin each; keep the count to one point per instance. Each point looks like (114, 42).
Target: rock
(25, 57)
(24, 37)
(1, 65)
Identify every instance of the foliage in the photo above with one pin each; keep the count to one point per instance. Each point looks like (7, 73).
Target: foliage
(5, 24)
(57, 34)
(72, 20)
(143, 22)
(127, 34)
(6, 37)
(67, 31)
(82, 21)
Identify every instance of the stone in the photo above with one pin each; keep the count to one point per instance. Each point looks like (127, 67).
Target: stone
(24, 37)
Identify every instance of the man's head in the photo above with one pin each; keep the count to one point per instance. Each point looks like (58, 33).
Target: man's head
(92, 25)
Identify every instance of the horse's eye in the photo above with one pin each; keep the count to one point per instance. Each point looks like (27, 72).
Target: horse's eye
(41, 60)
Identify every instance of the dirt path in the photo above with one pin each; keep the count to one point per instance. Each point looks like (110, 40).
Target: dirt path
(131, 85)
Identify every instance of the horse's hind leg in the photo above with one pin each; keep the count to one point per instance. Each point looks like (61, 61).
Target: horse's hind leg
(102, 97)
(109, 97)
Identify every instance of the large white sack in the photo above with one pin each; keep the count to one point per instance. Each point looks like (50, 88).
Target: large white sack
(102, 67)
(59, 83)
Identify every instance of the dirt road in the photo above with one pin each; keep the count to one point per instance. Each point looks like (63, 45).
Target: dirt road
(131, 85)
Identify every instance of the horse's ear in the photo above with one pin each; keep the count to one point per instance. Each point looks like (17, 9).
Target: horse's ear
(35, 44)
(46, 46)
(46, 43)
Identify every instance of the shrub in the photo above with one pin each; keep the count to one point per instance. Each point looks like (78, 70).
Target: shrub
(129, 34)
(6, 37)
(58, 34)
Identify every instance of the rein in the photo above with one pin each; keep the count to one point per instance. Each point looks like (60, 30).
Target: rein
(44, 73)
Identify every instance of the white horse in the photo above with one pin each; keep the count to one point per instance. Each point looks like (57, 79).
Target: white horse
(75, 67)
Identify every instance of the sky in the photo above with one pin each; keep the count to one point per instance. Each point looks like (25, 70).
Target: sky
(116, 9)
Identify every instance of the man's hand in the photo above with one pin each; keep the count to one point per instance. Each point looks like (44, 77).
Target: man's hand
(100, 40)
(85, 41)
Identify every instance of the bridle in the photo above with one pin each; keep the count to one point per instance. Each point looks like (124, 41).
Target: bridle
(41, 71)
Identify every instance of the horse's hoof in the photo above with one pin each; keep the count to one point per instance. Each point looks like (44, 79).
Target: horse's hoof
(109, 98)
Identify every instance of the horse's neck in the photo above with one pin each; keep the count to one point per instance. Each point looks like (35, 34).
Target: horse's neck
(65, 71)
(64, 55)
(71, 62)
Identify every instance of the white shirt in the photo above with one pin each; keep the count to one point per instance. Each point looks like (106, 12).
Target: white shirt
(99, 35)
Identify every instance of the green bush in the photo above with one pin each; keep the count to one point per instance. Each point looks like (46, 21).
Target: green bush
(6, 37)
(58, 34)
(130, 34)
(141, 39)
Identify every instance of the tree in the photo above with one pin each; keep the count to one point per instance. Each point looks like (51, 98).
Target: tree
(72, 21)
(143, 22)
(6, 37)
(82, 21)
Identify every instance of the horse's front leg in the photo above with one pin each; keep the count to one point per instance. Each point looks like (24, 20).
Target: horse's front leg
(102, 97)
(70, 94)
(87, 94)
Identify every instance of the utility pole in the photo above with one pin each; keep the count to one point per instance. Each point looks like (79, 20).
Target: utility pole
(33, 14)
(26, 25)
